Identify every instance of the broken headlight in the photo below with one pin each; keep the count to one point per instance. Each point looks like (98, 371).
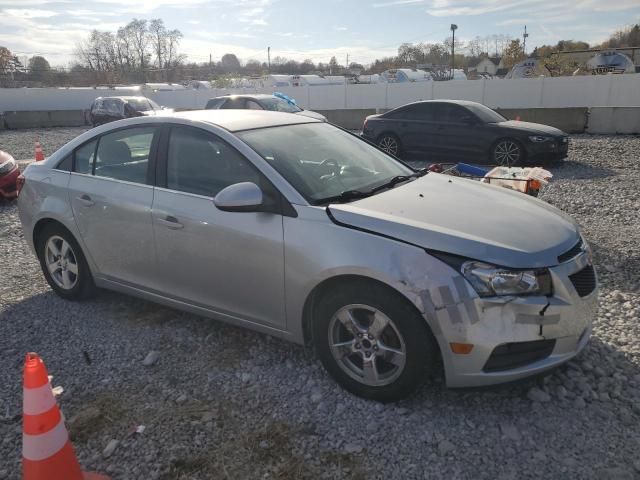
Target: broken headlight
(490, 281)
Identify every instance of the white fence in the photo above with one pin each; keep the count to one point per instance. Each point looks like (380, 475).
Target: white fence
(558, 92)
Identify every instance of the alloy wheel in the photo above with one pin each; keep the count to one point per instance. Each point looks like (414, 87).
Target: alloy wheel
(389, 145)
(367, 345)
(507, 153)
(61, 262)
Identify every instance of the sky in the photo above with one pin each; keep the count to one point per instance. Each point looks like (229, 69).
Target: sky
(314, 29)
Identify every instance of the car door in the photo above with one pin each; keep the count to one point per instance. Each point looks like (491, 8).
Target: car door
(417, 130)
(229, 262)
(111, 196)
(459, 137)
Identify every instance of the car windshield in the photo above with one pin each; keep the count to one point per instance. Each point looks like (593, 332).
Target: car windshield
(323, 162)
(485, 114)
(276, 104)
(140, 104)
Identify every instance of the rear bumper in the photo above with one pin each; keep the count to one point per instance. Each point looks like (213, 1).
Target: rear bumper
(8, 184)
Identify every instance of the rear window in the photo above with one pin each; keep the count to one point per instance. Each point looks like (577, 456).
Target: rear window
(276, 104)
(140, 105)
(215, 103)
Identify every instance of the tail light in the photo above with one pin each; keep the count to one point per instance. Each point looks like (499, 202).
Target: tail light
(19, 183)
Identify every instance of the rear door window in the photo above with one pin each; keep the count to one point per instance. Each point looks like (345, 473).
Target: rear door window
(124, 155)
(422, 112)
(234, 103)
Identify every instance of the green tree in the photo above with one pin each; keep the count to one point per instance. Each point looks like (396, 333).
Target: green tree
(513, 54)
(39, 69)
(230, 63)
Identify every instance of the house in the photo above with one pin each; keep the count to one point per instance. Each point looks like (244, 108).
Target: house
(489, 65)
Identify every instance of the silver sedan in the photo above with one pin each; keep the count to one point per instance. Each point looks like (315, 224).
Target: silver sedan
(296, 228)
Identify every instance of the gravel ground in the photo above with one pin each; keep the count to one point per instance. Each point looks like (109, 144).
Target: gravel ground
(221, 402)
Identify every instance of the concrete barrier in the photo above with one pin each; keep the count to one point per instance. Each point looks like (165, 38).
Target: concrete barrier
(570, 120)
(350, 119)
(44, 119)
(625, 120)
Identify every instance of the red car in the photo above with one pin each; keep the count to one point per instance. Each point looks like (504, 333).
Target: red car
(9, 173)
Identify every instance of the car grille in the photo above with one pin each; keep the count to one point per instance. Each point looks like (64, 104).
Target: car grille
(572, 252)
(584, 281)
(519, 354)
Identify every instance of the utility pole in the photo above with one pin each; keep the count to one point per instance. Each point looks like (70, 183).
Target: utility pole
(347, 64)
(269, 58)
(454, 27)
(524, 40)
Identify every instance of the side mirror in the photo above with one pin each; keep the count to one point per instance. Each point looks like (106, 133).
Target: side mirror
(239, 197)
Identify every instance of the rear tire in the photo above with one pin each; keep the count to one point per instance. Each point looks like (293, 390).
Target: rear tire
(63, 263)
(390, 144)
(373, 342)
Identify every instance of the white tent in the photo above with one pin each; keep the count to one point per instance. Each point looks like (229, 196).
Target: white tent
(610, 62)
(404, 75)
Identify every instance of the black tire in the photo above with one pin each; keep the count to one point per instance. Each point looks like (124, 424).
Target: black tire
(386, 141)
(83, 286)
(505, 151)
(420, 347)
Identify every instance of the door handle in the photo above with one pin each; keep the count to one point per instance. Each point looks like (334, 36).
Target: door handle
(85, 200)
(171, 222)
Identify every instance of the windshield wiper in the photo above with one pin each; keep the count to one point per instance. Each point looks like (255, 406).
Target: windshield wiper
(392, 182)
(349, 195)
(345, 196)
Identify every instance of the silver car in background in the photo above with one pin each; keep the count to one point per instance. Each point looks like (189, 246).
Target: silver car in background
(296, 228)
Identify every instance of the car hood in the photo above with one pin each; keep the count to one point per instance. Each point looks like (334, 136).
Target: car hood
(312, 114)
(467, 218)
(531, 127)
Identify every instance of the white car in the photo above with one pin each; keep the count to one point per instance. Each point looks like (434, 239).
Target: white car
(273, 103)
(296, 228)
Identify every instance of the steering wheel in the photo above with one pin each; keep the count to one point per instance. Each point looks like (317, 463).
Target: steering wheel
(332, 165)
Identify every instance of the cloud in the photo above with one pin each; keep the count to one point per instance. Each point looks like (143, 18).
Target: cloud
(29, 13)
(396, 3)
(340, 29)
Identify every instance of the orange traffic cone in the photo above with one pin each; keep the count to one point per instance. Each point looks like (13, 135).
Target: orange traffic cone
(47, 452)
(39, 152)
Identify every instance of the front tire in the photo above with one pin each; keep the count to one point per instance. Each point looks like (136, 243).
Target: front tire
(63, 263)
(507, 153)
(373, 342)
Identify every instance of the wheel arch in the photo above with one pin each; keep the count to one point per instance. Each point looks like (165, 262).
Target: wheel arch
(339, 281)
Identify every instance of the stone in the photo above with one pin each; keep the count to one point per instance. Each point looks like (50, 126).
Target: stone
(579, 403)
(110, 448)
(352, 448)
(510, 432)
(151, 358)
(537, 395)
(445, 447)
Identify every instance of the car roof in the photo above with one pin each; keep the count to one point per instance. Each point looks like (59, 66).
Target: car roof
(245, 95)
(124, 98)
(237, 120)
(454, 102)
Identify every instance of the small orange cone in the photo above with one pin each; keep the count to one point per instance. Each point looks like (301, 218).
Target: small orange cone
(47, 452)
(39, 152)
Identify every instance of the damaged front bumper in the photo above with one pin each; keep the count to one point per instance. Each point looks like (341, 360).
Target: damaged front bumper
(515, 337)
